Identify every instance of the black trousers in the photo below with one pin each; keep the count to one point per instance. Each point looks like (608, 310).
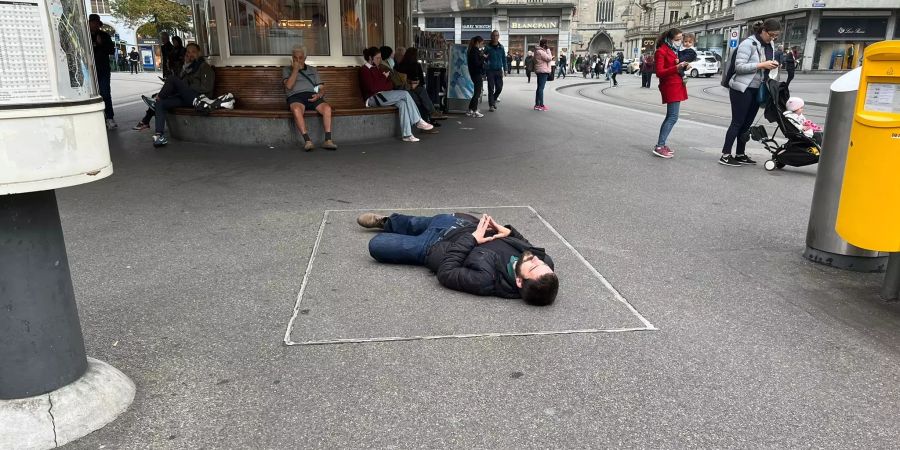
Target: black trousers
(744, 108)
(646, 78)
(476, 96)
(790, 76)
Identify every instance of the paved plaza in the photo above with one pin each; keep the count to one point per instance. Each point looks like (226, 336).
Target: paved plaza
(687, 316)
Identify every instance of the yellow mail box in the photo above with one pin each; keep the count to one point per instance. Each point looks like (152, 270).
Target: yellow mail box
(869, 211)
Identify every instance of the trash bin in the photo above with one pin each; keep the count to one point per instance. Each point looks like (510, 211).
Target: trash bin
(823, 245)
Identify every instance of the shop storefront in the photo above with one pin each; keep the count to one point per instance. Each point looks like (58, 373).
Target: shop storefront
(443, 25)
(525, 33)
(842, 40)
(334, 32)
(475, 26)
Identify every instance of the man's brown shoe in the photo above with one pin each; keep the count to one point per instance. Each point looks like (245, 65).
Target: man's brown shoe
(371, 220)
(329, 145)
(308, 146)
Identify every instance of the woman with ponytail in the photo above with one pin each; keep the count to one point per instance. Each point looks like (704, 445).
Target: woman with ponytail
(671, 86)
(752, 63)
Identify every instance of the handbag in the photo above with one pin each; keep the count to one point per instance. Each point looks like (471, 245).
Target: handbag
(552, 73)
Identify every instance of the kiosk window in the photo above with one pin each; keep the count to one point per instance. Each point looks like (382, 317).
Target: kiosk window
(883, 97)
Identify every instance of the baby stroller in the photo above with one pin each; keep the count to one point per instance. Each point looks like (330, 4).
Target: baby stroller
(799, 150)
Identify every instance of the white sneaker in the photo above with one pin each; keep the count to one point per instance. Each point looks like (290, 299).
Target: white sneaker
(227, 105)
(111, 124)
(477, 114)
(410, 138)
(423, 125)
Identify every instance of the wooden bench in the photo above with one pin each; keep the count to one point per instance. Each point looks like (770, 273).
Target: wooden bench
(259, 92)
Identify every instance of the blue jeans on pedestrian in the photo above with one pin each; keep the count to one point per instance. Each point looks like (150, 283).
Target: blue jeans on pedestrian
(668, 123)
(495, 86)
(539, 94)
(406, 239)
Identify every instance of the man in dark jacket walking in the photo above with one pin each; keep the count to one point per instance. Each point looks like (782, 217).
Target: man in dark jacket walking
(477, 256)
(103, 47)
(496, 64)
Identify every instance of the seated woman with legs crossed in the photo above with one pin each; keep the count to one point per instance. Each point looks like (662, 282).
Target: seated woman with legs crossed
(377, 90)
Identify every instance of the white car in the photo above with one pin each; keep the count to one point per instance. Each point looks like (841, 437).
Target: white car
(704, 65)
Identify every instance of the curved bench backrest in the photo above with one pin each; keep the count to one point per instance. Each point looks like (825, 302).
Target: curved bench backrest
(261, 88)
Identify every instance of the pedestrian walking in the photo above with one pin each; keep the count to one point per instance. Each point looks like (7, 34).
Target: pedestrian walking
(103, 47)
(509, 61)
(518, 61)
(616, 68)
(562, 66)
(542, 59)
(475, 58)
(496, 65)
(133, 58)
(671, 87)
(529, 65)
(754, 58)
(598, 67)
(790, 63)
(648, 68)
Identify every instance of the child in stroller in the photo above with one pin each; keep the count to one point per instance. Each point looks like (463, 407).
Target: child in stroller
(800, 149)
(795, 117)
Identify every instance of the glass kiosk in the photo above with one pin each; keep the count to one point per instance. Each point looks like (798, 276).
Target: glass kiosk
(52, 135)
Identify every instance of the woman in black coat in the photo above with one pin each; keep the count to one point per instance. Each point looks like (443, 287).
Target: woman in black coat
(475, 58)
(415, 79)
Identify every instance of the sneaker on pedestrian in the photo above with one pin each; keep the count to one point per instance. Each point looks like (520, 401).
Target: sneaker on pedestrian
(371, 220)
(159, 140)
(149, 101)
(111, 124)
(728, 160)
(744, 159)
(475, 113)
(308, 146)
(329, 145)
(662, 151)
(544, 108)
(492, 108)
(410, 138)
(423, 125)
(141, 126)
(537, 108)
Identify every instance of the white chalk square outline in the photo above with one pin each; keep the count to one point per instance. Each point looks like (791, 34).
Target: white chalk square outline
(618, 296)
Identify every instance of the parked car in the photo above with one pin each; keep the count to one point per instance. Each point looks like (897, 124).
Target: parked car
(632, 66)
(704, 65)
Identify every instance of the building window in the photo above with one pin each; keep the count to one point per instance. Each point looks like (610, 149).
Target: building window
(361, 25)
(273, 27)
(673, 16)
(207, 36)
(100, 6)
(605, 11)
(439, 22)
(401, 26)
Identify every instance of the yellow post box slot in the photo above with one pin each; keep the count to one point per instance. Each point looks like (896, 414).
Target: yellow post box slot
(869, 210)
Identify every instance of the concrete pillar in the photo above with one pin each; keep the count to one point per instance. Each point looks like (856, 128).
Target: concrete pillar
(41, 347)
(812, 32)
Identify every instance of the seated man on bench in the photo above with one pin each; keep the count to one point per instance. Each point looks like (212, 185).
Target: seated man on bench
(196, 78)
(305, 91)
(377, 90)
(479, 257)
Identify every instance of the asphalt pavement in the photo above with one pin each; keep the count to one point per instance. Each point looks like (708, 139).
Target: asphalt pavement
(188, 264)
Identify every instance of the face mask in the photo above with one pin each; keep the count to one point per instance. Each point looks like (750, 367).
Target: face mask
(677, 44)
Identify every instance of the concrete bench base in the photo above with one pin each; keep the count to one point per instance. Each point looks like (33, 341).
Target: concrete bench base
(280, 132)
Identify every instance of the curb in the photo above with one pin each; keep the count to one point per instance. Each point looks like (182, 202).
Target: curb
(68, 413)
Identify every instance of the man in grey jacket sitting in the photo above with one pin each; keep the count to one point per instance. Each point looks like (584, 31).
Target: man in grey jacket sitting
(305, 91)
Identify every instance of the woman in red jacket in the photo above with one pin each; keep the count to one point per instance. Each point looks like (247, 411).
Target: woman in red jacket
(671, 86)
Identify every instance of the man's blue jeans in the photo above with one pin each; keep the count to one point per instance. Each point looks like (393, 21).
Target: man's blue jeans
(495, 86)
(406, 239)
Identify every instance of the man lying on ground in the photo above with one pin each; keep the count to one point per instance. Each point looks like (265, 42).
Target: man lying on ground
(479, 257)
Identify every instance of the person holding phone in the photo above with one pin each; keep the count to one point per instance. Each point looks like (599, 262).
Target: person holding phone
(305, 91)
(671, 86)
(752, 63)
(542, 59)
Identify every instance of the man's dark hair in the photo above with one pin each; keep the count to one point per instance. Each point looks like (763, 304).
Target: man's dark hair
(370, 53)
(194, 44)
(540, 292)
(386, 52)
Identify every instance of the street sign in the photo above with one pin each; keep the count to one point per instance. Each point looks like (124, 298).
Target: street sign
(818, 4)
(732, 43)
(734, 34)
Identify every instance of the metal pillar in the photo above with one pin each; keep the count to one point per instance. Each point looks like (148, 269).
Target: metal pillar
(41, 346)
(891, 288)
(823, 244)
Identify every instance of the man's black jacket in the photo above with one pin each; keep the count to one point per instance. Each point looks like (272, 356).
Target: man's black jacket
(463, 265)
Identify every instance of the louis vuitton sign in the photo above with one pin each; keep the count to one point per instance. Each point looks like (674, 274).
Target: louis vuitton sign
(853, 27)
(534, 23)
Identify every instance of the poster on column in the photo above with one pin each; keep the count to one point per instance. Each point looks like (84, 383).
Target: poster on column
(25, 75)
(459, 83)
